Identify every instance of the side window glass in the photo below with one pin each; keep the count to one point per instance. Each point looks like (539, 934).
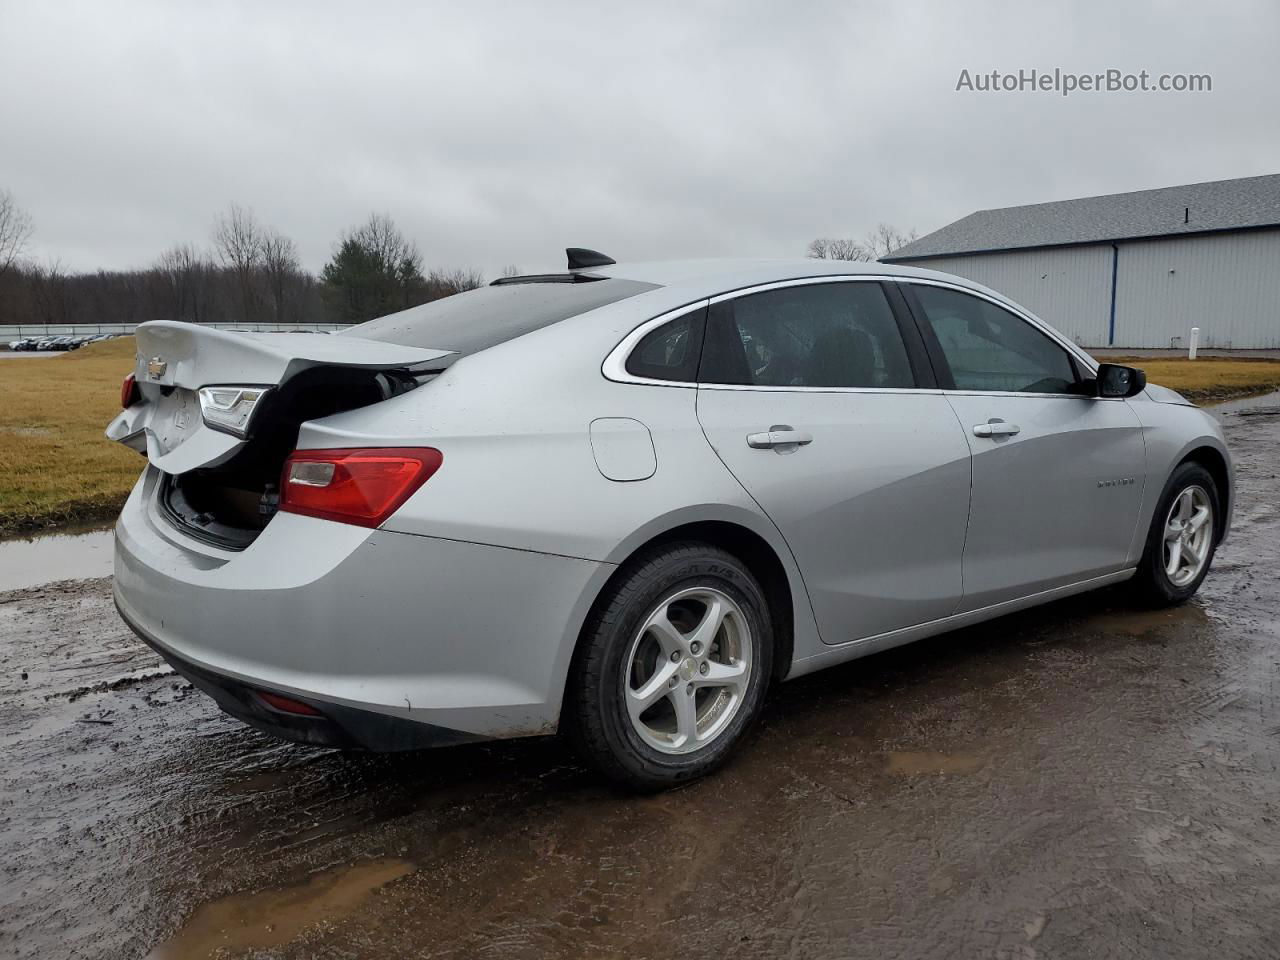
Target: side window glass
(989, 348)
(815, 335)
(671, 351)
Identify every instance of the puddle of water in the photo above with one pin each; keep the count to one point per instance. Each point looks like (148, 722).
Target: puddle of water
(33, 561)
(1139, 623)
(910, 763)
(1267, 403)
(272, 918)
(1035, 926)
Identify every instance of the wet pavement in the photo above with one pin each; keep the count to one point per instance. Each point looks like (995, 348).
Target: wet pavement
(1083, 780)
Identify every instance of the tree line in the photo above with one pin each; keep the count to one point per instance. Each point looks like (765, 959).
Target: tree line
(879, 243)
(248, 273)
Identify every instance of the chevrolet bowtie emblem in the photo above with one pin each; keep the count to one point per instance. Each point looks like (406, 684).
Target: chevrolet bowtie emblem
(156, 368)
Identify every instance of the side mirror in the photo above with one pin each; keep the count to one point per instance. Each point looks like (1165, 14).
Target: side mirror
(1117, 381)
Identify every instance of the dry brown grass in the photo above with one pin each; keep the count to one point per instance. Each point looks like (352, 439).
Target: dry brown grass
(55, 465)
(1209, 379)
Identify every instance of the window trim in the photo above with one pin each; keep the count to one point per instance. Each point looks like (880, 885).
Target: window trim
(614, 365)
(1081, 363)
(917, 357)
(697, 343)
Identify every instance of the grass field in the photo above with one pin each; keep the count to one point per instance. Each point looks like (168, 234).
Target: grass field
(1209, 379)
(57, 468)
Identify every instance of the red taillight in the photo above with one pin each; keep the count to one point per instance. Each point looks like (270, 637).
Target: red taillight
(288, 704)
(363, 487)
(129, 393)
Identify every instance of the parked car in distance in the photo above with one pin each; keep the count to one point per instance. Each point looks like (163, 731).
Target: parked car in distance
(623, 500)
(63, 342)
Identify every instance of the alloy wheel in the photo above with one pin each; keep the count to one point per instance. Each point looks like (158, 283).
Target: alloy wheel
(1188, 535)
(687, 670)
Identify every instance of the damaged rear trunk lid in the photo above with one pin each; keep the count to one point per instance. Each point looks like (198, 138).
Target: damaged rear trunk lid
(218, 412)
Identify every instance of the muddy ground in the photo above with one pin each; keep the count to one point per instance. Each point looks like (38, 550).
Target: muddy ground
(1084, 780)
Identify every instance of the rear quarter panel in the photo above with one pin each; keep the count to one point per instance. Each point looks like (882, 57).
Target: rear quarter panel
(513, 424)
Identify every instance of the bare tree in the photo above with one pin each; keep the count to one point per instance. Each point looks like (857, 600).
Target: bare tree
(381, 238)
(185, 283)
(280, 265)
(880, 242)
(15, 231)
(238, 238)
(51, 292)
(885, 239)
(510, 270)
(831, 248)
(445, 283)
(184, 276)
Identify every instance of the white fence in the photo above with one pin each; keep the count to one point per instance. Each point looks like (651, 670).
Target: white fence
(19, 331)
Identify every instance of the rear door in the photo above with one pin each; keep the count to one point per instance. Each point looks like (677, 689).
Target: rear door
(1058, 475)
(819, 398)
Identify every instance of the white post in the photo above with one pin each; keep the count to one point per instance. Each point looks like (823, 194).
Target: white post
(1195, 343)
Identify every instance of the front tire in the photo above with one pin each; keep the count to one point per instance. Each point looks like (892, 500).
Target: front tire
(672, 667)
(1182, 538)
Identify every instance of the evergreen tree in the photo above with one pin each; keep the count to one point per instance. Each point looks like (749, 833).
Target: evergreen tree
(374, 271)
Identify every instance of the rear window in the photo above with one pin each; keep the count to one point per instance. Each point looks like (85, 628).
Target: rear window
(671, 352)
(482, 318)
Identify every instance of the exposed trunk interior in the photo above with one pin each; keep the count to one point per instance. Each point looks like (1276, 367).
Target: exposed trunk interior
(230, 504)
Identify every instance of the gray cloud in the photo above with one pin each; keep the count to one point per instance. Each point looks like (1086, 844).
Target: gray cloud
(500, 133)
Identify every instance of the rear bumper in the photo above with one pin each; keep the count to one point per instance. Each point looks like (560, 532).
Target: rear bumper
(383, 632)
(336, 725)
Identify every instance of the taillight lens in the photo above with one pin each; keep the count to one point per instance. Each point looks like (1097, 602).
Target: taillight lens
(129, 393)
(288, 704)
(230, 408)
(363, 487)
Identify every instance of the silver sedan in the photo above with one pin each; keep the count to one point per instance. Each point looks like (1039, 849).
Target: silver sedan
(622, 500)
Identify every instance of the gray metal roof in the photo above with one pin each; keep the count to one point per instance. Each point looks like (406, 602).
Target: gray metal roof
(1168, 211)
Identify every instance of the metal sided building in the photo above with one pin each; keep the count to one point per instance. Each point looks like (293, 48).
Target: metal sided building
(1131, 269)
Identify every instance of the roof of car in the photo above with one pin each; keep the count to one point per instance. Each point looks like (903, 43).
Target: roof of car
(743, 272)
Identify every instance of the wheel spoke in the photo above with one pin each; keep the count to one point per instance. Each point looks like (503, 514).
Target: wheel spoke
(1199, 549)
(1175, 558)
(664, 631)
(732, 675)
(712, 618)
(1184, 505)
(1173, 531)
(652, 690)
(686, 716)
(1199, 518)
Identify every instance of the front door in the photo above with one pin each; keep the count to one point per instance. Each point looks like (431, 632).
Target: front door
(809, 395)
(1058, 476)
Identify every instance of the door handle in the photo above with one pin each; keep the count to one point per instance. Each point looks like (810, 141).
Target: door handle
(995, 427)
(779, 435)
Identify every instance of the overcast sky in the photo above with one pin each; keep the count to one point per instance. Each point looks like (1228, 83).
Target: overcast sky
(501, 133)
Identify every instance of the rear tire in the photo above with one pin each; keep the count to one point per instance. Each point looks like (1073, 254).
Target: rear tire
(1182, 538)
(672, 667)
